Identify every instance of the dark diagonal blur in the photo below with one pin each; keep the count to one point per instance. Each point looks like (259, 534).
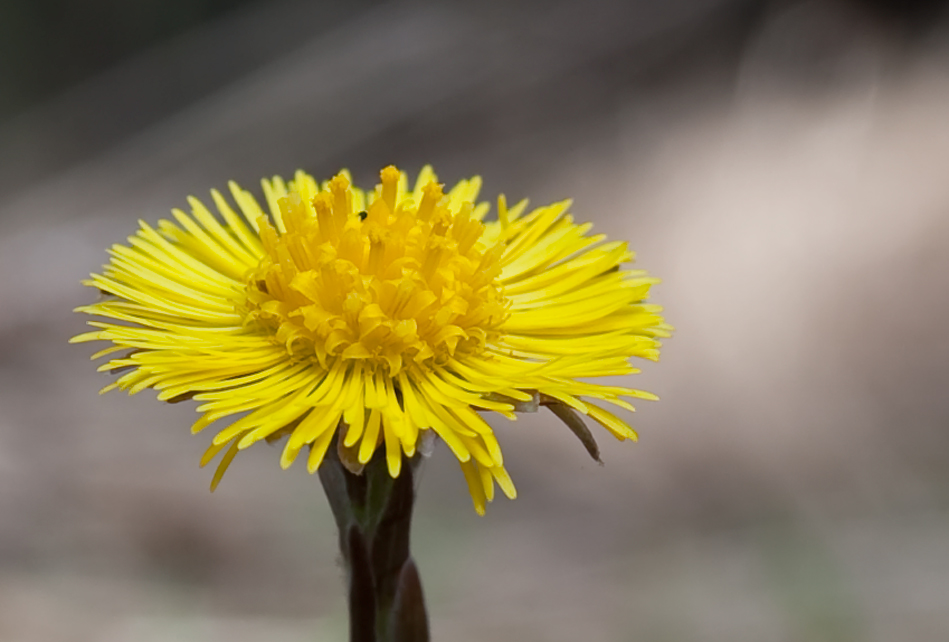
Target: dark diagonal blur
(782, 165)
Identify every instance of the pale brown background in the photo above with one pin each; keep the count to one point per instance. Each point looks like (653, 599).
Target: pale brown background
(784, 166)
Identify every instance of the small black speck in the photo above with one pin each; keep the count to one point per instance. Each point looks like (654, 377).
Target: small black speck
(362, 215)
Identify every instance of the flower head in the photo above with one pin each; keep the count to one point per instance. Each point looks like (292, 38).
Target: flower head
(382, 316)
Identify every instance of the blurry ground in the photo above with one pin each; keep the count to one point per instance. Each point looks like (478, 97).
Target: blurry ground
(782, 166)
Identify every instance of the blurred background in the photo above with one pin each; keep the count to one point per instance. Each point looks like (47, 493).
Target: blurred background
(782, 165)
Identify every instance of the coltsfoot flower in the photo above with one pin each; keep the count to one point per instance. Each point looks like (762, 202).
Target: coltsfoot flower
(384, 316)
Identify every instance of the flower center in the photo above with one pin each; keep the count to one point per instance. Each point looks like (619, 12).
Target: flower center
(403, 282)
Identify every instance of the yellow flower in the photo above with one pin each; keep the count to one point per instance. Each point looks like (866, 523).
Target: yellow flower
(382, 315)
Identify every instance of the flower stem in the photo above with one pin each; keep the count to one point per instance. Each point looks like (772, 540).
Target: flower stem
(373, 512)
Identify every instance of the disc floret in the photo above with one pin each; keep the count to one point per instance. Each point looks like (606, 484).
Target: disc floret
(397, 283)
